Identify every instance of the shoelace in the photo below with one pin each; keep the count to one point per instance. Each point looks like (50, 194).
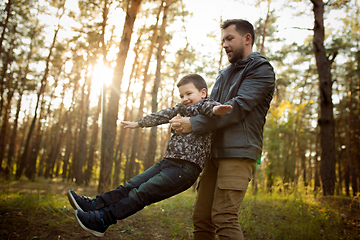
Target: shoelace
(89, 200)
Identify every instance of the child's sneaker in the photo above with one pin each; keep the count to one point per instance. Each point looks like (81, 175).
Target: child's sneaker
(92, 222)
(81, 202)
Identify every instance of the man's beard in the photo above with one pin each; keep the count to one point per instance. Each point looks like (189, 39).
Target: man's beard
(236, 56)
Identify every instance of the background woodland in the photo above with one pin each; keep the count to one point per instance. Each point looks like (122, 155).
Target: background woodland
(56, 120)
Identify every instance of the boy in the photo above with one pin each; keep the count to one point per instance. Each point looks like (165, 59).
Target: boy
(184, 159)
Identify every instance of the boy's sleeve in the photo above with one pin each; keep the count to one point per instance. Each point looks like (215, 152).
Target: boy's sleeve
(158, 118)
(206, 108)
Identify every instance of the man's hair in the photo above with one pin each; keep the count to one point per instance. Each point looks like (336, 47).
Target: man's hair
(194, 78)
(242, 27)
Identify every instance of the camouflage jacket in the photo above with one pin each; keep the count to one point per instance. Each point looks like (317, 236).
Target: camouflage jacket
(191, 147)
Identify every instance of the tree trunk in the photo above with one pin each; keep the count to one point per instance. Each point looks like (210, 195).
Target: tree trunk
(111, 113)
(119, 149)
(68, 147)
(5, 124)
(317, 184)
(131, 164)
(263, 35)
(8, 13)
(326, 119)
(93, 143)
(82, 150)
(12, 144)
(352, 150)
(150, 156)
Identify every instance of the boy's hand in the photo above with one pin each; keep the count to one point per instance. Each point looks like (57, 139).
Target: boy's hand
(131, 125)
(221, 109)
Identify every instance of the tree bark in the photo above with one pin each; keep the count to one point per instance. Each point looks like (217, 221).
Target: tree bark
(150, 156)
(82, 150)
(111, 113)
(8, 13)
(326, 119)
(135, 147)
(5, 123)
(133, 76)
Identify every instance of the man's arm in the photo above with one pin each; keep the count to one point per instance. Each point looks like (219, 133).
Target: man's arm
(255, 87)
(183, 124)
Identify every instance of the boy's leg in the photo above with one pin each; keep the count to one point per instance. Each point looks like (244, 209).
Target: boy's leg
(174, 177)
(122, 191)
(203, 226)
(90, 204)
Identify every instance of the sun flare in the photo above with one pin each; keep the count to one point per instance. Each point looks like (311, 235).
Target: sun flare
(102, 74)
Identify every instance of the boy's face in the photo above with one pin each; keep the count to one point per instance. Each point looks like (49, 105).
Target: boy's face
(190, 95)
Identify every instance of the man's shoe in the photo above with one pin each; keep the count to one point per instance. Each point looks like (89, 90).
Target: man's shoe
(92, 222)
(81, 202)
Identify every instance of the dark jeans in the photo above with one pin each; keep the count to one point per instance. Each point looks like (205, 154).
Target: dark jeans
(163, 180)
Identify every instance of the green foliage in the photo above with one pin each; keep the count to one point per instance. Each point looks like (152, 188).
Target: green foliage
(286, 213)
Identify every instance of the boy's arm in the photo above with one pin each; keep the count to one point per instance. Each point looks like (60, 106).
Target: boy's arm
(158, 118)
(131, 125)
(221, 110)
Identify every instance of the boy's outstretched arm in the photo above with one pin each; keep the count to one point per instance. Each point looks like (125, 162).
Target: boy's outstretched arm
(221, 109)
(131, 125)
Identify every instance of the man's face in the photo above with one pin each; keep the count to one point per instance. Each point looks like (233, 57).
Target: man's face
(233, 43)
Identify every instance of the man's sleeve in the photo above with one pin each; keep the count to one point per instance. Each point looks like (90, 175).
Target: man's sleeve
(255, 87)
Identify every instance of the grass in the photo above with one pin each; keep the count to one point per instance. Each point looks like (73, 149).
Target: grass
(41, 210)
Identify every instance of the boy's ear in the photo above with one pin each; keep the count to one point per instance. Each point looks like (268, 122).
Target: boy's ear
(203, 93)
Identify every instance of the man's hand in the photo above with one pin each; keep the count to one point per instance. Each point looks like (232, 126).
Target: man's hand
(131, 125)
(181, 124)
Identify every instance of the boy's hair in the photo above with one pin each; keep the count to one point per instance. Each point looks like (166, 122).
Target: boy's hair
(242, 27)
(194, 78)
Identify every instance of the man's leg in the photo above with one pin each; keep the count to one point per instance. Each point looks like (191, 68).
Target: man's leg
(233, 179)
(203, 226)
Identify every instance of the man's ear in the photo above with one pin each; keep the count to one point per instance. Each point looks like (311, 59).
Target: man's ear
(203, 93)
(248, 38)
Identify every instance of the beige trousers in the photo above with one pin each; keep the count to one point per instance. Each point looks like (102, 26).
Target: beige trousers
(221, 189)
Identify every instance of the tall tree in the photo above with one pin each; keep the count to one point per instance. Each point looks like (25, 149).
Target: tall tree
(150, 156)
(111, 113)
(326, 118)
(5, 23)
(131, 162)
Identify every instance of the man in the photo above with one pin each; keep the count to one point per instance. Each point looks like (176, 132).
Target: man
(247, 84)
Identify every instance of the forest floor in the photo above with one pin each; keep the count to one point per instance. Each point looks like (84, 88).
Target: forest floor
(40, 210)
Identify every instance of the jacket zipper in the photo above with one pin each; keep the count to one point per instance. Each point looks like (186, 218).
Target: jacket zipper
(229, 75)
